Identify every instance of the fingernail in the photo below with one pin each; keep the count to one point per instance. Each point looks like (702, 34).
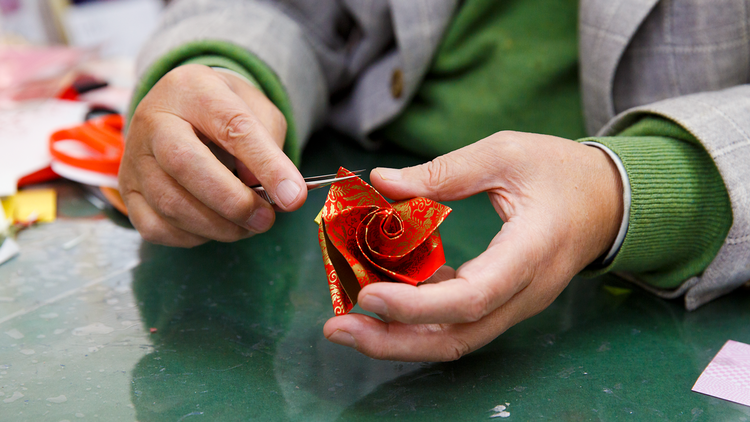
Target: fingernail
(389, 174)
(287, 192)
(260, 221)
(374, 304)
(343, 338)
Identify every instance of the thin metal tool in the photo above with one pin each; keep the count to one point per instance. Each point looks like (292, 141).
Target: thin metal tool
(312, 182)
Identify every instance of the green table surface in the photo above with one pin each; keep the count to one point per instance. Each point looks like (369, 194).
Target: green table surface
(238, 332)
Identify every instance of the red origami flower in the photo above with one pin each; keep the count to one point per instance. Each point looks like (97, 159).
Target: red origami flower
(365, 239)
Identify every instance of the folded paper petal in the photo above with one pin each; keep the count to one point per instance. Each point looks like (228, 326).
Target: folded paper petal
(365, 239)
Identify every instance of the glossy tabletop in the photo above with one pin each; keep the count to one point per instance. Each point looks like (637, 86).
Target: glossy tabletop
(96, 324)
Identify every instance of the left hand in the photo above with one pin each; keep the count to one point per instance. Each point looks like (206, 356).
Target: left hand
(177, 191)
(561, 204)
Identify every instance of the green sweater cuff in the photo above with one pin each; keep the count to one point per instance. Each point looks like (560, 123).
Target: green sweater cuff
(680, 212)
(229, 56)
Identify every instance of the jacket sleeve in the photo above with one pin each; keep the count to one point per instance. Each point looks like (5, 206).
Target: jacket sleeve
(253, 34)
(720, 120)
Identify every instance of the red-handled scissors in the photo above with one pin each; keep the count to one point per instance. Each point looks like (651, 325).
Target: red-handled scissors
(99, 149)
(90, 153)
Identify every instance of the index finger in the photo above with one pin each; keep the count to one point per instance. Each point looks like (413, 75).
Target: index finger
(424, 342)
(193, 166)
(228, 121)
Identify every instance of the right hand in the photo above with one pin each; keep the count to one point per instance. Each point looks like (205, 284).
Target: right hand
(561, 204)
(176, 190)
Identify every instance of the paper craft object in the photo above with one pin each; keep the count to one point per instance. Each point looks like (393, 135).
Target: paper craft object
(365, 239)
(728, 375)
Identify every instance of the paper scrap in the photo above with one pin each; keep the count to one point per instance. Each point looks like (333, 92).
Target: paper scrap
(24, 137)
(728, 375)
(32, 204)
(8, 246)
(8, 249)
(5, 220)
(499, 411)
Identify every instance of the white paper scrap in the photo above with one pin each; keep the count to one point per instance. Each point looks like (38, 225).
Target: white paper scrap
(8, 250)
(24, 137)
(728, 375)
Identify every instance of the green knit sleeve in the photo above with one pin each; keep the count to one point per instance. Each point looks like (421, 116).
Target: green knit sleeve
(227, 55)
(680, 212)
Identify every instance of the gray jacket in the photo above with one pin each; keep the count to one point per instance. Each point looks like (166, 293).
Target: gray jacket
(683, 59)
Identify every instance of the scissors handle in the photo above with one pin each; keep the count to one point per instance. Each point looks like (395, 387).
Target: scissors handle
(101, 136)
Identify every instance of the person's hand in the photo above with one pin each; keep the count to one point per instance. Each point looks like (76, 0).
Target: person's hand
(177, 192)
(561, 204)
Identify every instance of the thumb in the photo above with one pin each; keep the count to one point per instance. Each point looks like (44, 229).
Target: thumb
(450, 177)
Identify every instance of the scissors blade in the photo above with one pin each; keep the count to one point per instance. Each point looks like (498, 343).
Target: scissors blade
(312, 183)
(330, 176)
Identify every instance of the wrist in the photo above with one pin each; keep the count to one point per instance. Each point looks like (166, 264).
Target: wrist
(608, 203)
(622, 183)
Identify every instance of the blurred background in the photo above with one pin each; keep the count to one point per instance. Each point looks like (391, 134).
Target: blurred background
(62, 63)
(112, 27)
(45, 43)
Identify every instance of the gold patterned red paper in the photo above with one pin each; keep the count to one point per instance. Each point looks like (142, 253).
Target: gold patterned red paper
(365, 239)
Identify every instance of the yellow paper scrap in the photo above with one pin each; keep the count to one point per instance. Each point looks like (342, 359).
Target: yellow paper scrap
(617, 291)
(4, 224)
(31, 204)
(319, 216)
(7, 210)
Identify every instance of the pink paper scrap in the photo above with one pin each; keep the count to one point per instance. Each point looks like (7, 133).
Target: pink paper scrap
(728, 375)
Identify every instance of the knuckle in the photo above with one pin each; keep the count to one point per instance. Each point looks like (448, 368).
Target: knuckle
(237, 127)
(237, 206)
(511, 144)
(169, 205)
(147, 119)
(408, 315)
(124, 179)
(476, 306)
(410, 309)
(178, 158)
(381, 350)
(126, 186)
(181, 76)
(378, 352)
(143, 122)
(175, 80)
(149, 230)
(136, 121)
(180, 81)
(150, 236)
(436, 173)
(455, 348)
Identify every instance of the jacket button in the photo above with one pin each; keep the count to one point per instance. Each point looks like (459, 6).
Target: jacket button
(397, 83)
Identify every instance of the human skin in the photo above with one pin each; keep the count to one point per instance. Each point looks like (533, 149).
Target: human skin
(561, 204)
(177, 191)
(560, 201)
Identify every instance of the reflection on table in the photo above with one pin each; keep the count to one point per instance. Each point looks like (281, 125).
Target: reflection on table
(113, 328)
